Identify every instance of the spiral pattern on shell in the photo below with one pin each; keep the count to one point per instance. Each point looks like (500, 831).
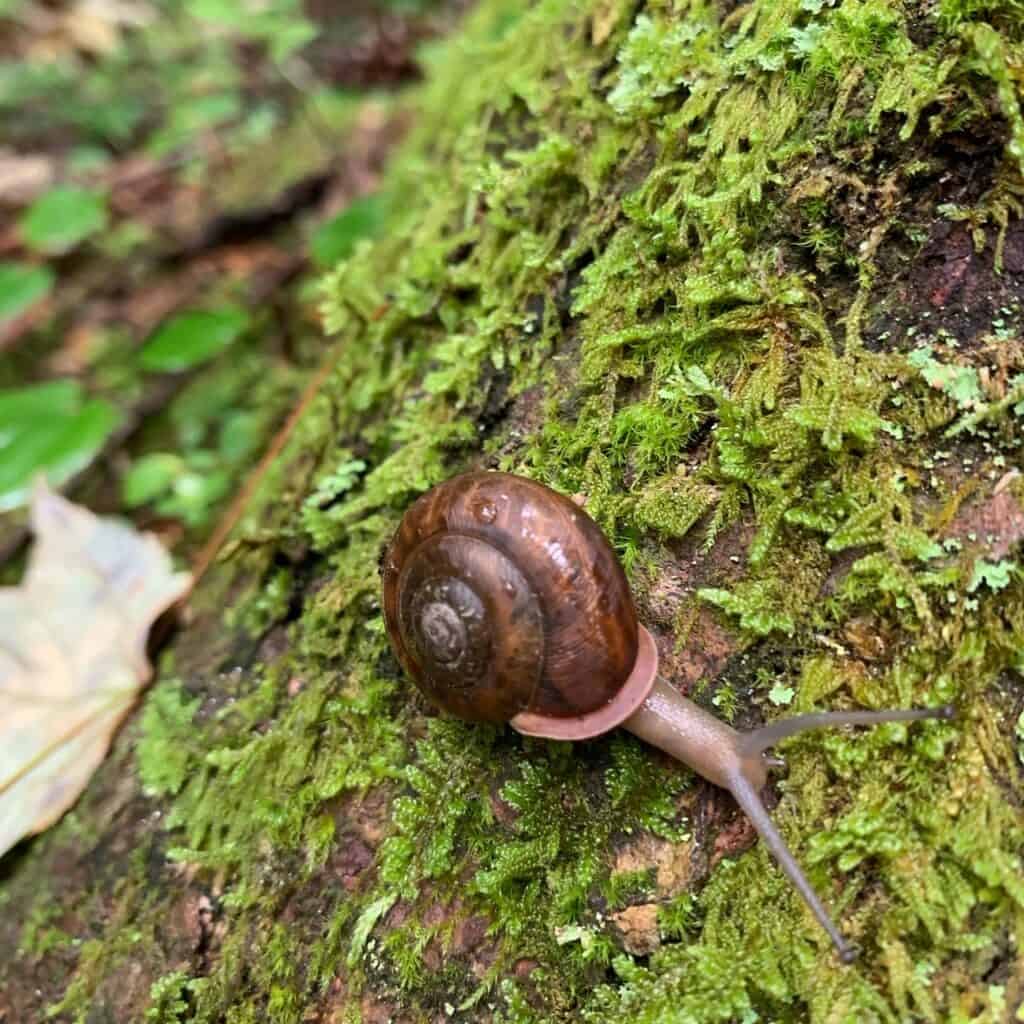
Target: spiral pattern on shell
(502, 596)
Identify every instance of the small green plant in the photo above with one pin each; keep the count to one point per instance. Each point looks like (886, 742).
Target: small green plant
(219, 423)
(758, 604)
(335, 239)
(780, 694)
(318, 519)
(49, 429)
(165, 750)
(279, 25)
(62, 218)
(21, 287)
(961, 383)
(168, 1002)
(183, 487)
(994, 575)
(190, 339)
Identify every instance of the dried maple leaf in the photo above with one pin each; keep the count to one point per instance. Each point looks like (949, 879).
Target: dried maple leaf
(72, 655)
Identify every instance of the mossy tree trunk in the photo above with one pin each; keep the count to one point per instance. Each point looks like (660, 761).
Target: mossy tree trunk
(749, 279)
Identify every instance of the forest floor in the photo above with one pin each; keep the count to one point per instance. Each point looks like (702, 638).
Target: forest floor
(172, 183)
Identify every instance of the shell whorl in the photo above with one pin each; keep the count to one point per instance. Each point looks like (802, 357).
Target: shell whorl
(501, 596)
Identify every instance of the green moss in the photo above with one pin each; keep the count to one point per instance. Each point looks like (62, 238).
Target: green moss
(129, 933)
(758, 604)
(165, 751)
(168, 1002)
(39, 932)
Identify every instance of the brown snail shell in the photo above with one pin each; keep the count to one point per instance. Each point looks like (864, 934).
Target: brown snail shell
(505, 602)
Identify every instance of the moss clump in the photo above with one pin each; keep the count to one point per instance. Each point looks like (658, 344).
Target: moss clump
(164, 753)
(665, 258)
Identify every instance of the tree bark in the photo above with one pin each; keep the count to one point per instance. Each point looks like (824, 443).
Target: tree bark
(747, 280)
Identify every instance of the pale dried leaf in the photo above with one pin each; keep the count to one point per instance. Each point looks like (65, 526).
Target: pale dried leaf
(72, 655)
(24, 176)
(91, 32)
(96, 26)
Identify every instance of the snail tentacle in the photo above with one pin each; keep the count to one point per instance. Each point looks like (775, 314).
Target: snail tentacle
(750, 801)
(757, 741)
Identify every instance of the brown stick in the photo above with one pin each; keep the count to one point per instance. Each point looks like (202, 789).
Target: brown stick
(233, 513)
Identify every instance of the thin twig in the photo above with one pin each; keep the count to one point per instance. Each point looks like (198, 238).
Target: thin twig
(235, 510)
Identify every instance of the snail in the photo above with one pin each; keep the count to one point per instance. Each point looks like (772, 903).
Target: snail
(504, 602)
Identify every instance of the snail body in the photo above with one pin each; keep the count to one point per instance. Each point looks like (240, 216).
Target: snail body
(504, 602)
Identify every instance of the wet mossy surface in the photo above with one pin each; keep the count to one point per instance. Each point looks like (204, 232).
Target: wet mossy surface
(749, 280)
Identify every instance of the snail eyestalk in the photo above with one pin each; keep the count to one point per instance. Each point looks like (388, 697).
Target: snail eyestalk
(749, 799)
(738, 762)
(759, 740)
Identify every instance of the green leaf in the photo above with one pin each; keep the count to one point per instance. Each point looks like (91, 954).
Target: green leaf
(564, 934)
(189, 339)
(63, 217)
(150, 477)
(279, 24)
(335, 240)
(224, 12)
(87, 159)
(25, 408)
(291, 35)
(21, 287)
(48, 429)
(196, 490)
(191, 117)
(240, 436)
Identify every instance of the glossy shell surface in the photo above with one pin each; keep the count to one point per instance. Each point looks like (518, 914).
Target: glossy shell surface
(503, 597)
